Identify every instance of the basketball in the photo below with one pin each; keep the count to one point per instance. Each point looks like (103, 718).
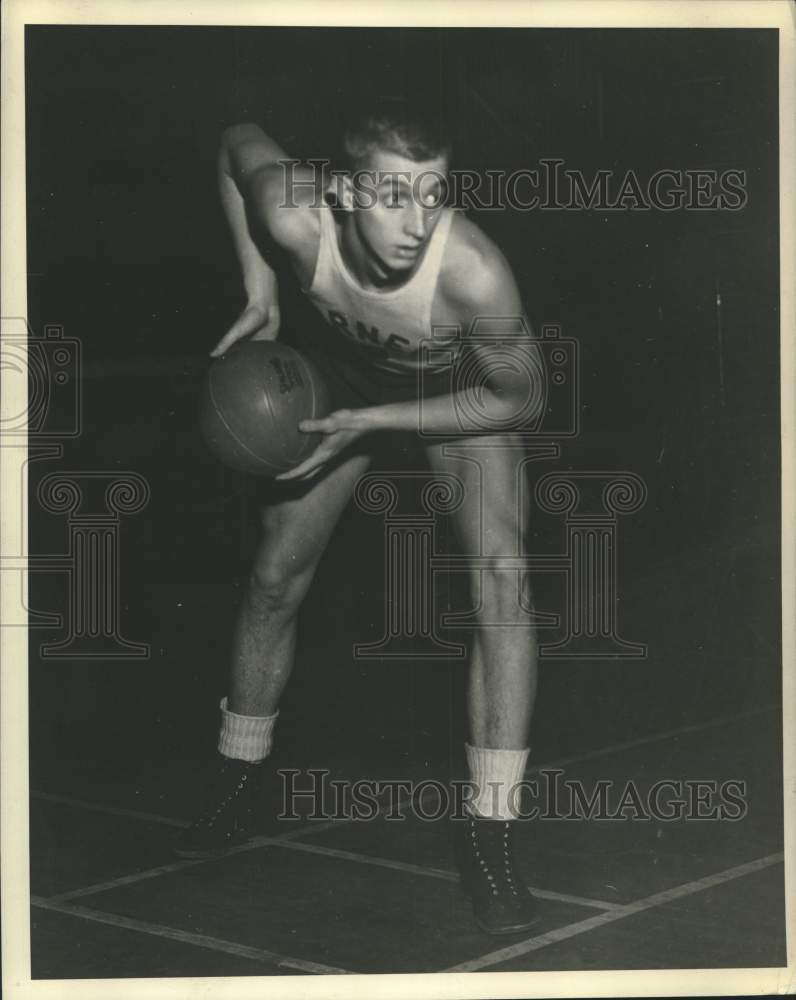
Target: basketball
(253, 399)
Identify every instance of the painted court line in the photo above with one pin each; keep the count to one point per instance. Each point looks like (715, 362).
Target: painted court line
(282, 839)
(448, 876)
(187, 937)
(317, 827)
(177, 866)
(319, 849)
(642, 741)
(122, 880)
(66, 800)
(368, 859)
(627, 910)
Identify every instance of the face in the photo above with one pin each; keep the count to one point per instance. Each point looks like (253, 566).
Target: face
(396, 204)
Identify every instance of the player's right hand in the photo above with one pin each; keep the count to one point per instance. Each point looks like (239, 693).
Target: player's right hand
(259, 320)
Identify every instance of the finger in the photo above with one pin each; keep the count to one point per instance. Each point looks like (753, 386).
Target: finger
(223, 345)
(242, 327)
(299, 472)
(312, 474)
(230, 338)
(312, 464)
(309, 426)
(332, 422)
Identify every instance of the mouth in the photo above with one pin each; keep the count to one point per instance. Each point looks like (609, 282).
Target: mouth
(407, 251)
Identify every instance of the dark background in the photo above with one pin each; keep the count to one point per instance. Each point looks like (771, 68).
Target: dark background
(128, 251)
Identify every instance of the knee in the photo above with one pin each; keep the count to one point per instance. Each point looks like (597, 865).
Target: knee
(502, 592)
(276, 587)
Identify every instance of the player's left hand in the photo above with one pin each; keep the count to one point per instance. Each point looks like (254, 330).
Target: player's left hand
(340, 429)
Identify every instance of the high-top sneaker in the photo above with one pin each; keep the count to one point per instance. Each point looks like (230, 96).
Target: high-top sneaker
(228, 819)
(501, 901)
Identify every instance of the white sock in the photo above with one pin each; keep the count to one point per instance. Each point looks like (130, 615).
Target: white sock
(495, 773)
(245, 737)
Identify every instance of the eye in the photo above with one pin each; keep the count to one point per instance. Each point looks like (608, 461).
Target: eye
(432, 200)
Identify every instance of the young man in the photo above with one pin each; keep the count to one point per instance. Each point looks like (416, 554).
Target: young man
(385, 268)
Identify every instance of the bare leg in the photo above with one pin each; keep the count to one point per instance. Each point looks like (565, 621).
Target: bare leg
(295, 534)
(502, 678)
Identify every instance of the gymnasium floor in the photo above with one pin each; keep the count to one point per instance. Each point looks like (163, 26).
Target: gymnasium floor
(118, 751)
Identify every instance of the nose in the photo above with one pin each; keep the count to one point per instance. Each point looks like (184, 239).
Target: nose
(416, 222)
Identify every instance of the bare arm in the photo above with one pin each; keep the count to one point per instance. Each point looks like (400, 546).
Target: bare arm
(498, 373)
(502, 391)
(246, 155)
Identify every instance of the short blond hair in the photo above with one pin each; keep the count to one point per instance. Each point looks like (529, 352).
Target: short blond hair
(397, 125)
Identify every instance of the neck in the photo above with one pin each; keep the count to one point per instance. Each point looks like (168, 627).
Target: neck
(368, 270)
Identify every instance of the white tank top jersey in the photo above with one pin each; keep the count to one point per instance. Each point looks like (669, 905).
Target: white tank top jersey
(386, 328)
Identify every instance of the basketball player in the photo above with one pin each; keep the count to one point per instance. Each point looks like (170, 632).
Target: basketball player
(388, 264)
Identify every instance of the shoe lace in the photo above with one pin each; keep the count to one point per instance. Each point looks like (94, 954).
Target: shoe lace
(509, 875)
(505, 866)
(208, 818)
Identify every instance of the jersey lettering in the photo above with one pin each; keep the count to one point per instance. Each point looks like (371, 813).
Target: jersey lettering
(397, 343)
(338, 319)
(368, 333)
(369, 336)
